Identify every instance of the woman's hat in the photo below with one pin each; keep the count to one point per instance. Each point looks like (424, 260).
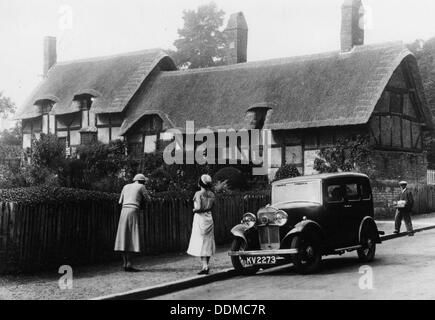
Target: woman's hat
(139, 177)
(205, 181)
(403, 183)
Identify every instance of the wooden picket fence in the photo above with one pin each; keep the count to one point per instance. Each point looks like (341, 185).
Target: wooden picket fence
(431, 177)
(44, 236)
(424, 199)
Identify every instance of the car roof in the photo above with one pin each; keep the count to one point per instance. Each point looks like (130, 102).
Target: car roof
(324, 176)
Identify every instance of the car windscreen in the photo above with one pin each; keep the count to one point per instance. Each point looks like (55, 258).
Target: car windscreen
(309, 191)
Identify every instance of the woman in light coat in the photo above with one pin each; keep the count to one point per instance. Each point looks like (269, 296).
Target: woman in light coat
(128, 236)
(202, 242)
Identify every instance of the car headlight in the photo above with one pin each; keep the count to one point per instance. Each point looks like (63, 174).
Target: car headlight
(281, 218)
(249, 220)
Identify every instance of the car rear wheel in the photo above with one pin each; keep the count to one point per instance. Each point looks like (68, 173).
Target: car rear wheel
(368, 243)
(238, 263)
(308, 258)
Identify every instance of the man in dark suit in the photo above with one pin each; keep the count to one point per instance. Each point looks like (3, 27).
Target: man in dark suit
(404, 207)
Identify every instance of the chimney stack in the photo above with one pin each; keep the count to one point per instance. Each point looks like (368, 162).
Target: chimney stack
(236, 34)
(50, 54)
(352, 24)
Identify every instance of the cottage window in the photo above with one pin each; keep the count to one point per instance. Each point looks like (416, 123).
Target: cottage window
(46, 108)
(84, 102)
(63, 141)
(150, 144)
(88, 137)
(144, 136)
(256, 117)
(48, 121)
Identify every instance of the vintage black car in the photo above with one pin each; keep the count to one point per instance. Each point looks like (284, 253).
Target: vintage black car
(310, 217)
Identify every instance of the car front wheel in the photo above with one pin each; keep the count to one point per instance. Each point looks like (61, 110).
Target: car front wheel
(308, 258)
(238, 263)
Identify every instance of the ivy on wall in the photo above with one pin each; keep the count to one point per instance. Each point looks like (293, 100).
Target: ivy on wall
(347, 154)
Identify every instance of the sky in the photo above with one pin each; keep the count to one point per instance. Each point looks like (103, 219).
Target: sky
(90, 28)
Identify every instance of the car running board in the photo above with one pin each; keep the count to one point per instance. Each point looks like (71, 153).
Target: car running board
(349, 248)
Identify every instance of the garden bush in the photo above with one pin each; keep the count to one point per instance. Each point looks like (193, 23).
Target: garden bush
(287, 171)
(48, 152)
(6, 177)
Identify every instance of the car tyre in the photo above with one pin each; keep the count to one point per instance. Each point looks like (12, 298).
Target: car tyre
(368, 243)
(308, 258)
(238, 263)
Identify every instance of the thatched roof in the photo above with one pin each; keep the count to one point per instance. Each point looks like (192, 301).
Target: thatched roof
(330, 89)
(111, 80)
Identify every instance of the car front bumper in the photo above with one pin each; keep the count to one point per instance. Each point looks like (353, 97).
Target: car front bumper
(255, 253)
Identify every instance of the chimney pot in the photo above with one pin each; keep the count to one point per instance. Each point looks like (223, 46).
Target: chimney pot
(236, 34)
(352, 24)
(50, 54)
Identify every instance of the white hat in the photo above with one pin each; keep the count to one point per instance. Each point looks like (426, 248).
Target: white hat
(139, 177)
(205, 181)
(403, 183)
(206, 178)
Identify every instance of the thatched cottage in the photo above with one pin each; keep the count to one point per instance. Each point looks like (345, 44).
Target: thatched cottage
(307, 102)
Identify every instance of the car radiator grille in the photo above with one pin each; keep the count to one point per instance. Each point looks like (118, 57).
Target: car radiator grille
(269, 237)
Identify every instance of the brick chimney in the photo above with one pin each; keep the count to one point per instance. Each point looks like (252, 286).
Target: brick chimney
(50, 54)
(352, 24)
(236, 34)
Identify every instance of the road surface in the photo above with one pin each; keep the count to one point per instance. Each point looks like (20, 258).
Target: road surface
(404, 268)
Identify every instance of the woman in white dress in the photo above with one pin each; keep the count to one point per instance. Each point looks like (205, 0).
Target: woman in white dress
(202, 242)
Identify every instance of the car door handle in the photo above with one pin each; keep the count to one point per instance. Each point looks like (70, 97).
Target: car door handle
(348, 206)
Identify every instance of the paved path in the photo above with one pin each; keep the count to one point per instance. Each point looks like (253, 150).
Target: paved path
(108, 278)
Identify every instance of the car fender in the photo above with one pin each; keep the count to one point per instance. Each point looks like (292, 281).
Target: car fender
(302, 226)
(369, 221)
(239, 231)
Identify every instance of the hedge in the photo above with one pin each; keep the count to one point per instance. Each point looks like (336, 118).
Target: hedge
(47, 194)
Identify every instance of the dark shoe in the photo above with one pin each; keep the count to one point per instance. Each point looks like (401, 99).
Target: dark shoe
(203, 271)
(131, 269)
(396, 232)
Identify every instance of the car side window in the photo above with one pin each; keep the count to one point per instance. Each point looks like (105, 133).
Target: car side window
(365, 191)
(352, 193)
(335, 193)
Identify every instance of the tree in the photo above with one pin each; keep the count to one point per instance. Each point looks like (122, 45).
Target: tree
(424, 52)
(201, 43)
(11, 137)
(7, 107)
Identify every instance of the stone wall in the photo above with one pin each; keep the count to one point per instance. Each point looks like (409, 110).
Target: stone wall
(384, 195)
(391, 166)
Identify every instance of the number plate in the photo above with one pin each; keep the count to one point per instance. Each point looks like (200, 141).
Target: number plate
(262, 260)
